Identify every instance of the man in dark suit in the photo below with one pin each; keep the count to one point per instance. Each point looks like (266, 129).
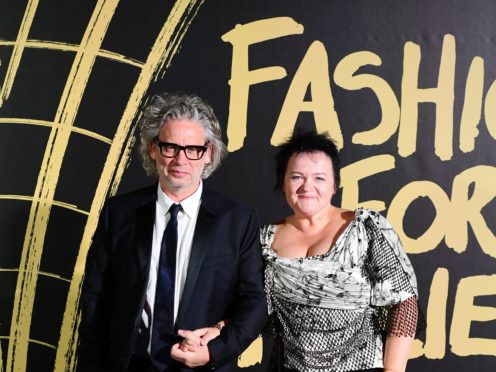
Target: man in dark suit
(175, 259)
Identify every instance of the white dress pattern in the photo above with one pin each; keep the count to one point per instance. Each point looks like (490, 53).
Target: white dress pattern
(328, 310)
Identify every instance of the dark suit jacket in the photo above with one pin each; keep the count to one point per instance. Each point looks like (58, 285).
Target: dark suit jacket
(224, 279)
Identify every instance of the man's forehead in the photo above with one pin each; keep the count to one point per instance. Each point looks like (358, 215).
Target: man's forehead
(183, 127)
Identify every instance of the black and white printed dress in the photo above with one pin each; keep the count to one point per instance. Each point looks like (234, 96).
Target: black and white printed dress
(331, 312)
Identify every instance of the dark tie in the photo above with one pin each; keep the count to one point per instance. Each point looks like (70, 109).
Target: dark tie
(163, 313)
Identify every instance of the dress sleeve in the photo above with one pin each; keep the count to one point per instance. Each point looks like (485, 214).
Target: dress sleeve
(390, 272)
(393, 281)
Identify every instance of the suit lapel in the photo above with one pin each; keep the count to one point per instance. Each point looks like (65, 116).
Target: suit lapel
(145, 220)
(202, 239)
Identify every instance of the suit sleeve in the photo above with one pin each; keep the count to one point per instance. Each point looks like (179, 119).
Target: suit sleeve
(249, 312)
(96, 301)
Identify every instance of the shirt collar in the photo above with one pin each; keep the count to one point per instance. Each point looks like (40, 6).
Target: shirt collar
(189, 205)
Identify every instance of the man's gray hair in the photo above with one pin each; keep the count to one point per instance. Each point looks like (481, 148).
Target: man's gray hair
(165, 107)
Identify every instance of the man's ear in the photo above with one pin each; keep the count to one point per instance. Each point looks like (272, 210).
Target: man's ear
(208, 154)
(153, 153)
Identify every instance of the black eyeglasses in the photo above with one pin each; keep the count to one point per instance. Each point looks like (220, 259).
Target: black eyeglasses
(171, 150)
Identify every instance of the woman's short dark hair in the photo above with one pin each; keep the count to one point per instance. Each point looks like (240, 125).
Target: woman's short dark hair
(306, 142)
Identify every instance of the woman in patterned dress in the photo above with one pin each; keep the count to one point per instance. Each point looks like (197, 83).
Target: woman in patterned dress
(341, 290)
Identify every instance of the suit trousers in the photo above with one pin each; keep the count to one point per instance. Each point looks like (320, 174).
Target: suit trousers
(144, 364)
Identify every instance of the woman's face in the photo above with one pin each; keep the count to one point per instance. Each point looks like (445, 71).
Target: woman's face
(309, 182)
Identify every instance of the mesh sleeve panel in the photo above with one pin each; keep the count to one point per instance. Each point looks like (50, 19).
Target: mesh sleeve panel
(403, 318)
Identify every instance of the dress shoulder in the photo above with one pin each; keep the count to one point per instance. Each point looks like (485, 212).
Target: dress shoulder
(362, 214)
(267, 232)
(380, 224)
(394, 278)
(266, 238)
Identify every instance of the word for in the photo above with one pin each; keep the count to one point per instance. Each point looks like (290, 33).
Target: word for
(454, 213)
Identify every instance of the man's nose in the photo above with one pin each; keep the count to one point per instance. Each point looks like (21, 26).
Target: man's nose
(181, 156)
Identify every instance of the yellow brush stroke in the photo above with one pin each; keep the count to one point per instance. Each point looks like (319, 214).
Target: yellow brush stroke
(42, 343)
(66, 47)
(15, 59)
(163, 49)
(71, 207)
(175, 40)
(124, 161)
(252, 355)
(47, 182)
(46, 123)
(30, 340)
(43, 273)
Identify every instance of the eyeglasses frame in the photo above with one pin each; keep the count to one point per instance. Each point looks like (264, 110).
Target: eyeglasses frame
(160, 144)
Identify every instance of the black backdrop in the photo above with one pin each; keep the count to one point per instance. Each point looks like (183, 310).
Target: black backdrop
(420, 75)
